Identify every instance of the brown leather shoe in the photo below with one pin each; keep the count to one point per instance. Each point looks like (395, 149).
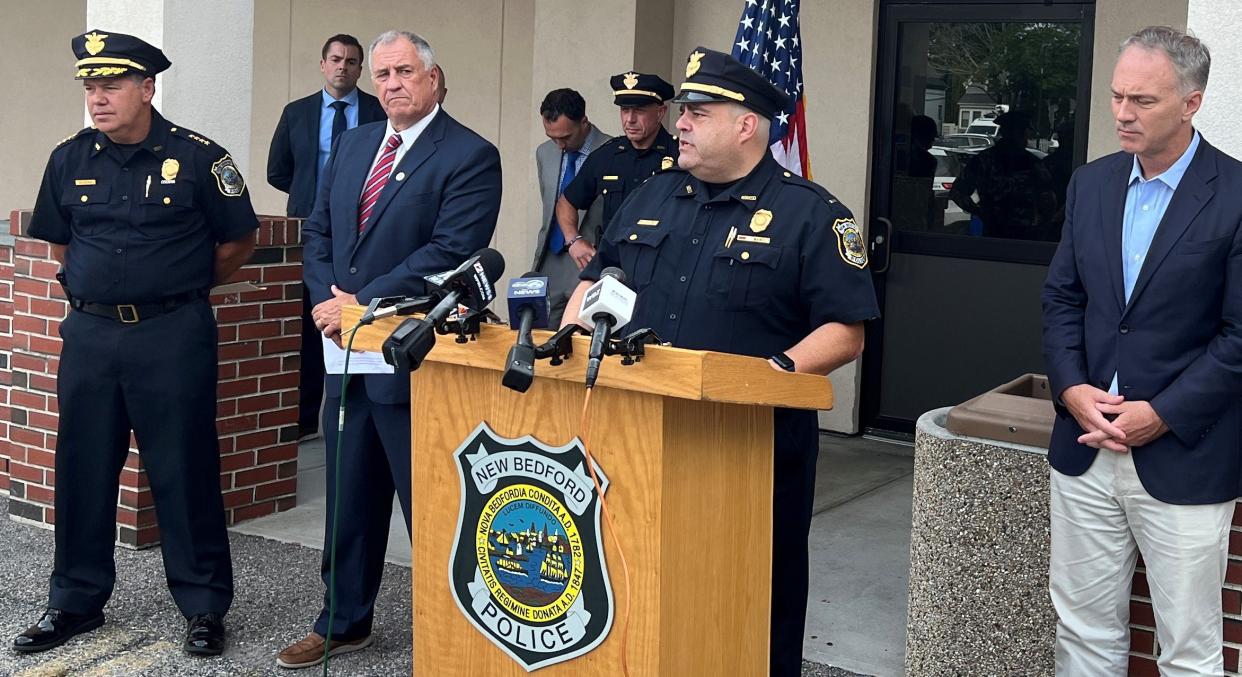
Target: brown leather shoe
(309, 651)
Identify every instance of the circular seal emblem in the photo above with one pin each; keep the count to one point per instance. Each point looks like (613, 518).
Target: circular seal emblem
(530, 553)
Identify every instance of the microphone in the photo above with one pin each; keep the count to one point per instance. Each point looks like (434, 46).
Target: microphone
(470, 284)
(606, 304)
(398, 306)
(528, 308)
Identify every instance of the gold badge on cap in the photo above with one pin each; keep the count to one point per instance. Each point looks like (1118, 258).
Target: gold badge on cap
(693, 66)
(94, 42)
(168, 170)
(759, 222)
(666, 163)
(631, 80)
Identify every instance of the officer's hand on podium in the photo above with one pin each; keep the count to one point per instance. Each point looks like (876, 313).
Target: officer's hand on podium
(582, 253)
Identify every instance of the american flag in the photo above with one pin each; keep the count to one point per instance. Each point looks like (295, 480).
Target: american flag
(768, 40)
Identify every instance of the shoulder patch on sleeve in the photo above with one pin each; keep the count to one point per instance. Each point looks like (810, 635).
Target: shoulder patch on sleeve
(73, 136)
(850, 242)
(228, 179)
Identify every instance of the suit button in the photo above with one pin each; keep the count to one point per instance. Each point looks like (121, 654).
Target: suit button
(1125, 329)
(353, 270)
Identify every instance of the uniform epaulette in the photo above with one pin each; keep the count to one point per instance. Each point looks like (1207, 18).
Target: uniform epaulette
(198, 139)
(73, 136)
(795, 180)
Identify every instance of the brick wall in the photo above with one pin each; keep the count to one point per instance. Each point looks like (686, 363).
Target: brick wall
(6, 349)
(256, 410)
(1143, 645)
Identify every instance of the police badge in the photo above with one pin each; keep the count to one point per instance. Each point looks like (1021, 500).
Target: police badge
(228, 179)
(528, 568)
(850, 243)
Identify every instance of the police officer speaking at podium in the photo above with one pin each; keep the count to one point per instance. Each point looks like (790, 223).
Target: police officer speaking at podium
(731, 253)
(144, 216)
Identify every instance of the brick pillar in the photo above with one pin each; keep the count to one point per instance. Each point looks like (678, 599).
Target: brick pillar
(260, 335)
(6, 349)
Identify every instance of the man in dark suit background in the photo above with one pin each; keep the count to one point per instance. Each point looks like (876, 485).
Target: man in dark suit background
(399, 200)
(1143, 344)
(299, 151)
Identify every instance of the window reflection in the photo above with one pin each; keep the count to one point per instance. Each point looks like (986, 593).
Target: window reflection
(984, 128)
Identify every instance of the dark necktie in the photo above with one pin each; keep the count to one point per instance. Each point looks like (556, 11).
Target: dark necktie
(556, 239)
(338, 119)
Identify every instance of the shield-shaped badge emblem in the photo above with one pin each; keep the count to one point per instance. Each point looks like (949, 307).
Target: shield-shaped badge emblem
(528, 557)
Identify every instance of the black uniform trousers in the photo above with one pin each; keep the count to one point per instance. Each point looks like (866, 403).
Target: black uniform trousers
(310, 384)
(375, 461)
(796, 447)
(158, 378)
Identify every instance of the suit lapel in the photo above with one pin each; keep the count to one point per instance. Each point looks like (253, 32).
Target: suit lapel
(310, 131)
(1193, 192)
(414, 158)
(1112, 206)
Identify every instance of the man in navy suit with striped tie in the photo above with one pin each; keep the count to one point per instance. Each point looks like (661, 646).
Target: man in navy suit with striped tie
(399, 200)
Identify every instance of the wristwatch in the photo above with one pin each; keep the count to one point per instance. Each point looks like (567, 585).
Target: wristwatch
(783, 361)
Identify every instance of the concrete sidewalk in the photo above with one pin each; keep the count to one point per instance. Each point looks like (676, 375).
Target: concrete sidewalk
(855, 621)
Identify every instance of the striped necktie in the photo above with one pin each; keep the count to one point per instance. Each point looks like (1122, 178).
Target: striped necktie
(377, 180)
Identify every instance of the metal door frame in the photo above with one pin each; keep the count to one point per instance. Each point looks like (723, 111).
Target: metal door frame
(892, 14)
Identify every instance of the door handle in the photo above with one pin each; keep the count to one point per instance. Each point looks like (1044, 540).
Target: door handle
(883, 241)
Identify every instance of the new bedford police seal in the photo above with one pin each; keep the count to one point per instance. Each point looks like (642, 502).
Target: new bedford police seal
(528, 562)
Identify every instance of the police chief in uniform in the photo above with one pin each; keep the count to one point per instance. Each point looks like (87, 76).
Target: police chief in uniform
(734, 254)
(616, 168)
(144, 216)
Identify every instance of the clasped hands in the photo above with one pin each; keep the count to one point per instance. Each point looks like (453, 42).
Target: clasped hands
(327, 315)
(1133, 423)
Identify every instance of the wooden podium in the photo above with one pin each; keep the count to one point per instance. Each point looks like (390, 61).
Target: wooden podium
(685, 438)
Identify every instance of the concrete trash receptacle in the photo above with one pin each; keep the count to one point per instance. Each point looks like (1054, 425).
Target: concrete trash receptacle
(979, 543)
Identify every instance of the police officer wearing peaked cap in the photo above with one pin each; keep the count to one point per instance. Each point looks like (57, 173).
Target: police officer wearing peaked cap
(733, 253)
(616, 168)
(144, 216)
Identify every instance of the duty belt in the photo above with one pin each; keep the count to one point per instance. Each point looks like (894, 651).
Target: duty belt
(133, 313)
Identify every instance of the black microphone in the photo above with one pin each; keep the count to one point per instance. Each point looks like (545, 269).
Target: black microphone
(528, 307)
(606, 304)
(398, 306)
(470, 284)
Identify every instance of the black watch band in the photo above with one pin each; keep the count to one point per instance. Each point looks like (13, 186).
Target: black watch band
(783, 361)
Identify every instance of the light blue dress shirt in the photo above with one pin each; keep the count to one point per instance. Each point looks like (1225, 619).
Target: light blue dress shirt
(326, 114)
(583, 152)
(1146, 202)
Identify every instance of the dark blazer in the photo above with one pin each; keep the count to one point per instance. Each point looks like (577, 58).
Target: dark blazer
(1176, 344)
(292, 160)
(442, 211)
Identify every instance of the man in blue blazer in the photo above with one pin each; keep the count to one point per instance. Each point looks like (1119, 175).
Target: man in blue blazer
(399, 200)
(1143, 344)
(295, 162)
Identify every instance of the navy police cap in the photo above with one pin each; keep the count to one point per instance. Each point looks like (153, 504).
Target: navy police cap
(639, 89)
(716, 76)
(108, 55)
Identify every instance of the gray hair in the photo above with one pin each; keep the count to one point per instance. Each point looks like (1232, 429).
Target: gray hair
(425, 53)
(1190, 57)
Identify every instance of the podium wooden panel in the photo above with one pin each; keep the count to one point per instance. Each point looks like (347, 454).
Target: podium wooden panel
(685, 438)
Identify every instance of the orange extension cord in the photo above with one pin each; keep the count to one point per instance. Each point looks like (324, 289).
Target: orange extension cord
(585, 432)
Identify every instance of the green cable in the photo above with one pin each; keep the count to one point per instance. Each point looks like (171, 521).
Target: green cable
(336, 500)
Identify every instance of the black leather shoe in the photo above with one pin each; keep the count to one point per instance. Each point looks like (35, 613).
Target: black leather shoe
(55, 628)
(204, 635)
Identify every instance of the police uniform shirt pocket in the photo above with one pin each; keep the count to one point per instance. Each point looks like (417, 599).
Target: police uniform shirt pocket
(88, 204)
(163, 209)
(744, 276)
(638, 248)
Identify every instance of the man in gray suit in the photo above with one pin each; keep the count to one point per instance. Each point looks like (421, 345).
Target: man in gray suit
(571, 138)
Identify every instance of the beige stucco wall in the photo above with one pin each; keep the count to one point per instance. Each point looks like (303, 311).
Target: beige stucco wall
(838, 46)
(45, 104)
(1216, 23)
(1114, 20)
